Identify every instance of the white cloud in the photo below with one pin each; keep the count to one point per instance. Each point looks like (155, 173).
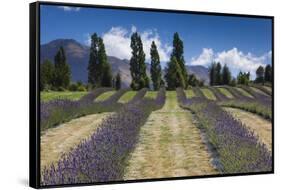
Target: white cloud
(67, 8)
(204, 58)
(235, 59)
(117, 43)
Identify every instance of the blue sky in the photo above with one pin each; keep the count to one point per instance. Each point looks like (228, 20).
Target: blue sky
(242, 43)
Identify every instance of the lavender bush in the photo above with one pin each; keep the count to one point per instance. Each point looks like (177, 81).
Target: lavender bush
(103, 156)
(238, 149)
(58, 111)
(260, 105)
(263, 89)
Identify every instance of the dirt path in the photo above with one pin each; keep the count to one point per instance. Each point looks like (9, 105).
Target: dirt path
(169, 145)
(261, 127)
(61, 139)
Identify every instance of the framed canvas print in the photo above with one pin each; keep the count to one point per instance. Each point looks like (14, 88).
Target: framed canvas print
(120, 94)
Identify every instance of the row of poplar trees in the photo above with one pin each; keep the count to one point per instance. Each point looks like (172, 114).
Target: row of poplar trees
(55, 76)
(219, 75)
(99, 69)
(176, 73)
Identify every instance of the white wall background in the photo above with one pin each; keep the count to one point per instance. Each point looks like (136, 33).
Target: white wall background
(14, 82)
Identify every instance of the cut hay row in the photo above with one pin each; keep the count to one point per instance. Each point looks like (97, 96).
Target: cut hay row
(238, 149)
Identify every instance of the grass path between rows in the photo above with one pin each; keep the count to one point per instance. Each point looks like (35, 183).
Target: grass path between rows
(262, 128)
(57, 141)
(170, 145)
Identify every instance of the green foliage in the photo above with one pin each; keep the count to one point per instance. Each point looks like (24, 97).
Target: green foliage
(155, 68)
(77, 86)
(218, 77)
(93, 70)
(226, 75)
(215, 74)
(173, 76)
(73, 87)
(81, 88)
(46, 75)
(99, 70)
(62, 71)
(243, 78)
(212, 74)
(177, 53)
(137, 64)
(260, 75)
(118, 81)
(233, 82)
(268, 73)
(193, 81)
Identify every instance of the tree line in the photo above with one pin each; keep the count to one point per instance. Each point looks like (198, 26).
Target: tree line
(222, 76)
(57, 76)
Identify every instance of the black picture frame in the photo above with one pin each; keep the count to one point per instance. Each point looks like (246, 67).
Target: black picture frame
(34, 93)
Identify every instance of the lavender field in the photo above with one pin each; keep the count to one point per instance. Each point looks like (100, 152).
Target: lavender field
(108, 135)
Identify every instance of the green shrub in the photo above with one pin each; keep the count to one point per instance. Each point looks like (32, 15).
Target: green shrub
(81, 88)
(73, 87)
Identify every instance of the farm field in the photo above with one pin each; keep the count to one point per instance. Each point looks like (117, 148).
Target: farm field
(169, 145)
(261, 127)
(60, 140)
(156, 134)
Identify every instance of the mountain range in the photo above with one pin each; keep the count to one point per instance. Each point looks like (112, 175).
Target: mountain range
(77, 56)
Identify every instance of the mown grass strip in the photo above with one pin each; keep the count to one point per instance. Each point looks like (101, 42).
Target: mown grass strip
(258, 91)
(238, 149)
(244, 92)
(48, 96)
(151, 94)
(103, 156)
(225, 92)
(104, 96)
(250, 106)
(189, 93)
(208, 94)
(127, 97)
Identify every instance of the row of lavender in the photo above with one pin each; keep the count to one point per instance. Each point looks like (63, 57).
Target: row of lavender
(61, 110)
(259, 104)
(238, 149)
(104, 155)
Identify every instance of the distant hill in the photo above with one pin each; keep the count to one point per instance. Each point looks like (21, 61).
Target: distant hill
(200, 72)
(78, 55)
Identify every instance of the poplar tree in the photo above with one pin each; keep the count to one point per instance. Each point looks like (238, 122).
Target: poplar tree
(212, 74)
(268, 73)
(218, 77)
(173, 76)
(93, 61)
(99, 69)
(260, 74)
(46, 74)
(226, 75)
(155, 68)
(177, 53)
(61, 70)
(104, 68)
(118, 81)
(137, 64)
